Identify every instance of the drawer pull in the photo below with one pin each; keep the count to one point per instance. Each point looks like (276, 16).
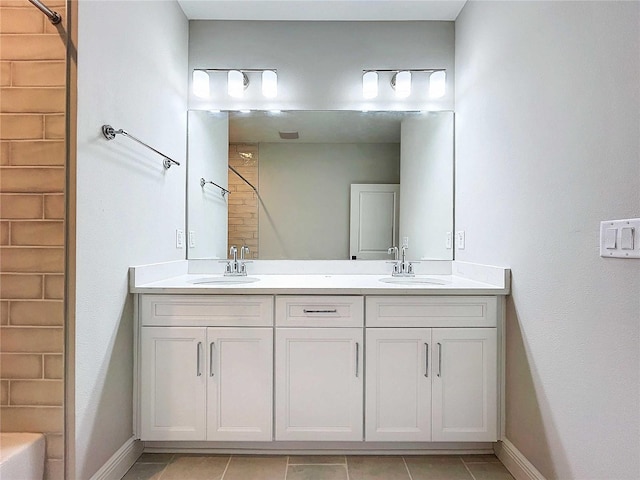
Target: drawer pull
(211, 345)
(439, 359)
(333, 310)
(199, 347)
(357, 358)
(426, 360)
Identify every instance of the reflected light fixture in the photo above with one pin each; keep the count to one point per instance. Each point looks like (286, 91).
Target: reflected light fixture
(200, 84)
(237, 82)
(401, 82)
(269, 83)
(437, 84)
(370, 84)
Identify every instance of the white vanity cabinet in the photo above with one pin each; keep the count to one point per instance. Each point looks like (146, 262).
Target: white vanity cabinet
(202, 377)
(437, 382)
(319, 368)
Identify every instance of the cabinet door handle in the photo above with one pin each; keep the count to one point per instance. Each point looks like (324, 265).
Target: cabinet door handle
(426, 360)
(439, 359)
(333, 310)
(211, 345)
(199, 347)
(357, 358)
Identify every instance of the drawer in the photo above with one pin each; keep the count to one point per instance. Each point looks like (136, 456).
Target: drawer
(207, 310)
(431, 311)
(319, 311)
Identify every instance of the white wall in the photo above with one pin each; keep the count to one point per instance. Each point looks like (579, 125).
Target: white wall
(547, 128)
(320, 63)
(426, 176)
(132, 64)
(305, 191)
(208, 151)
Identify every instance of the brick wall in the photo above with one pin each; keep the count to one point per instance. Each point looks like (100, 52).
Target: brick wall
(32, 208)
(243, 201)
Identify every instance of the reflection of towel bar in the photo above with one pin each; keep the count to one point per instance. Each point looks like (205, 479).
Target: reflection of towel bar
(223, 190)
(245, 180)
(110, 133)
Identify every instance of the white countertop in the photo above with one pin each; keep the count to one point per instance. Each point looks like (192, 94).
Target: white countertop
(326, 284)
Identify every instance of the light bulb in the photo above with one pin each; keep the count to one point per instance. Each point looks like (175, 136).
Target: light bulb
(200, 84)
(235, 83)
(269, 83)
(403, 84)
(437, 84)
(370, 84)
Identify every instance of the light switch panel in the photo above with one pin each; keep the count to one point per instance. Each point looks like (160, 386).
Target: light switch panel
(618, 238)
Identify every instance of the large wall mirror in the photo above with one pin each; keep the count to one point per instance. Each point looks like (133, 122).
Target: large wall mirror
(320, 185)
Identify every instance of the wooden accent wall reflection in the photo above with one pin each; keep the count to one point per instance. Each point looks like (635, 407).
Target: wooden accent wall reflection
(243, 201)
(32, 210)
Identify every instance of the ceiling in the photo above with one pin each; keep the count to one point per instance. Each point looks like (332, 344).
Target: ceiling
(336, 10)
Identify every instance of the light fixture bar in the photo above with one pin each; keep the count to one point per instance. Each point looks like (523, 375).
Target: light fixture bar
(237, 81)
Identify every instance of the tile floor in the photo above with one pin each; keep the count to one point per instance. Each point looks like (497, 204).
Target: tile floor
(163, 466)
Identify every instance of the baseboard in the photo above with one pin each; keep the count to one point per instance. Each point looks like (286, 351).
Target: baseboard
(121, 461)
(516, 462)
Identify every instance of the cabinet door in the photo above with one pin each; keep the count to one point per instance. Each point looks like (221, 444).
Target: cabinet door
(398, 391)
(239, 387)
(464, 384)
(173, 383)
(319, 384)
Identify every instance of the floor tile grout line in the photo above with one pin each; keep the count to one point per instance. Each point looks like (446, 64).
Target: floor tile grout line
(346, 466)
(286, 468)
(226, 467)
(407, 467)
(468, 469)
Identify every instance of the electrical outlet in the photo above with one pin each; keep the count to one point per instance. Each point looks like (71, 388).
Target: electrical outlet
(179, 238)
(405, 242)
(460, 239)
(192, 239)
(449, 241)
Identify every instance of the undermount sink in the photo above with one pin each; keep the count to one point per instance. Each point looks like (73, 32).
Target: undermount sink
(412, 280)
(224, 280)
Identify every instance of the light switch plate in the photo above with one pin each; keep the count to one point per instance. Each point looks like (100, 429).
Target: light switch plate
(179, 238)
(192, 239)
(460, 239)
(625, 244)
(449, 241)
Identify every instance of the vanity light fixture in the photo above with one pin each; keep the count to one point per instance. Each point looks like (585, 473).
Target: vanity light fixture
(201, 84)
(237, 81)
(370, 84)
(401, 81)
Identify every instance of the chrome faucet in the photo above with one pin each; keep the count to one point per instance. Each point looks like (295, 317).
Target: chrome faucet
(401, 267)
(235, 267)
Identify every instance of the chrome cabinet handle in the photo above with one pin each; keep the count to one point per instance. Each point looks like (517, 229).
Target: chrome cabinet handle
(333, 310)
(426, 360)
(439, 359)
(357, 358)
(211, 345)
(199, 347)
